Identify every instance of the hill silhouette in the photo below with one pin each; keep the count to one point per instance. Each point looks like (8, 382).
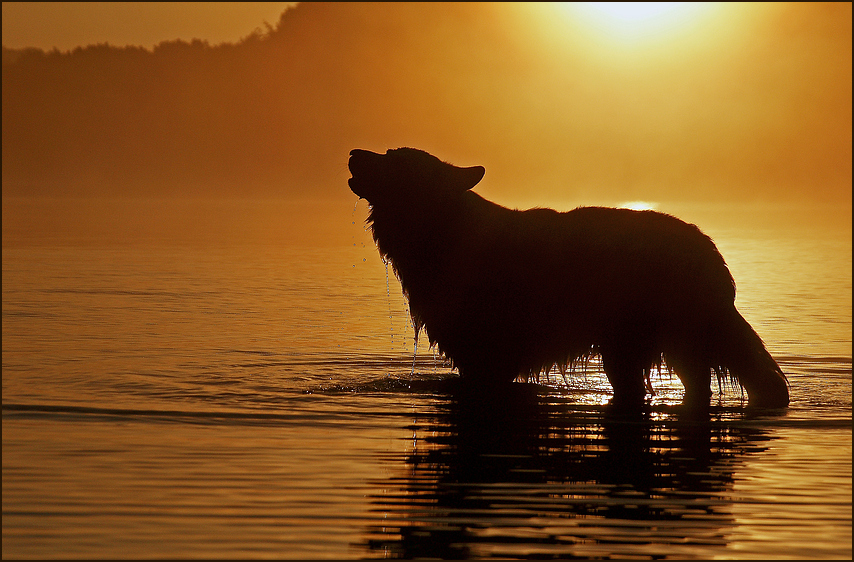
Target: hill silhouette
(273, 114)
(476, 83)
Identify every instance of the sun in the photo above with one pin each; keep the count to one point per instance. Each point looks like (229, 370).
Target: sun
(634, 21)
(632, 12)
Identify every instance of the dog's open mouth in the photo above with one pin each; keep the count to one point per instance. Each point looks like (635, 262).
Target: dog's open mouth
(353, 182)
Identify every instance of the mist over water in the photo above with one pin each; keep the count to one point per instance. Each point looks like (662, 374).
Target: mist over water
(250, 388)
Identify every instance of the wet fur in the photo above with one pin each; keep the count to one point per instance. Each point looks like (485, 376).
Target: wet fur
(505, 293)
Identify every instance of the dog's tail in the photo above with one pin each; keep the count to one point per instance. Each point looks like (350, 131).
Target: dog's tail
(743, 357)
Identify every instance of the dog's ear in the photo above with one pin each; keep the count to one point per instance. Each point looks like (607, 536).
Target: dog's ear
(467, 178)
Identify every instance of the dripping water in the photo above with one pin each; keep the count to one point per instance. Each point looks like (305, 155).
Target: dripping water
(414, 356)
(353, 223)
(388, 302)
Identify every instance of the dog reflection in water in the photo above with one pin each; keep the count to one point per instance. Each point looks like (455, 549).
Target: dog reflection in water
(506, 293)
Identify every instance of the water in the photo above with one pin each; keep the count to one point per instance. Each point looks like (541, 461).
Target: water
(247, 398)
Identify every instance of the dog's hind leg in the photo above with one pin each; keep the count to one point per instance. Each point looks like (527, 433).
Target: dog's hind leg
(696, 377)
(625, 370)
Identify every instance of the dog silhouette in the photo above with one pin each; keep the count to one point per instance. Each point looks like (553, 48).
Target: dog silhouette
(506, 293)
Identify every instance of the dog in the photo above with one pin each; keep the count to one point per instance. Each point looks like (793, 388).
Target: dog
(505, 293)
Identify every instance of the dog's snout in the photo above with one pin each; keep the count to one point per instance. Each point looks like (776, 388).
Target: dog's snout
(359, 159)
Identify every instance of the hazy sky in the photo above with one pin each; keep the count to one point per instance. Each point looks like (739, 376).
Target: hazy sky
(563, 103)
(66, 25)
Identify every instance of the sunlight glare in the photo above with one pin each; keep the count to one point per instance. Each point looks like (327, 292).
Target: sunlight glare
(633, 12)
(630, 21)
(639, 205)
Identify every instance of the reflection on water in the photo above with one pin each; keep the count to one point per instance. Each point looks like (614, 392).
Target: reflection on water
(538, 478)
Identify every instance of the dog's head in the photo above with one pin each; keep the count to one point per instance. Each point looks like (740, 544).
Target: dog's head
(407, 174)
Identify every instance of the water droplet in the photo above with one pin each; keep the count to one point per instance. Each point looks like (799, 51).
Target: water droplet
(414, 355)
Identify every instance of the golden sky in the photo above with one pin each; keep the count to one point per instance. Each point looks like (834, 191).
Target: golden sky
(66, 25)
(563, 103)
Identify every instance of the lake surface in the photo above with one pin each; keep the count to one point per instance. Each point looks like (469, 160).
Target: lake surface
(237, 396)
